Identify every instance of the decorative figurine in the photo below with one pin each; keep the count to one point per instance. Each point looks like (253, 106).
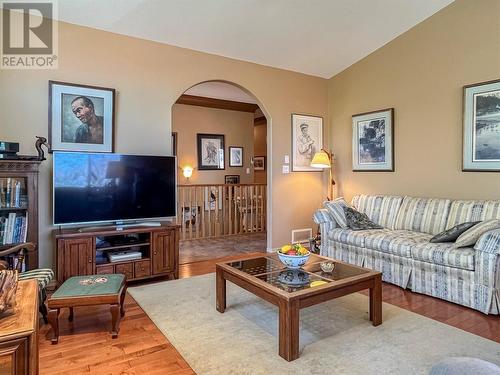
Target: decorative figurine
(38, 145)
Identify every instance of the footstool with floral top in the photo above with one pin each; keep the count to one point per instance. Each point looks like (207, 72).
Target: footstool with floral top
(89, 291)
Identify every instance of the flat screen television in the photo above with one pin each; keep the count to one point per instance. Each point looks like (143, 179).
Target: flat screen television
(97, 187)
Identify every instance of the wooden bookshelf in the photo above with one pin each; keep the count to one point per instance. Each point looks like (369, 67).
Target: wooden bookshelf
(24, 172)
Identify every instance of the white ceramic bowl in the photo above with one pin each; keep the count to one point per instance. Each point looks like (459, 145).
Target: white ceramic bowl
(293, 261)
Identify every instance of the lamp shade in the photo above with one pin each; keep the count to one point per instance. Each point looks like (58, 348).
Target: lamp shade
(187, 171)
(321, 160)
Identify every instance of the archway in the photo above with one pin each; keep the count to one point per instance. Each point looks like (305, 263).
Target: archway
(224, 182)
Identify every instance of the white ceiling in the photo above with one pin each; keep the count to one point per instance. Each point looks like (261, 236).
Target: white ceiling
(221, 90)
(317, 37)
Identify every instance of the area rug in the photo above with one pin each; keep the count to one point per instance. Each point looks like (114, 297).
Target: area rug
(336, 337)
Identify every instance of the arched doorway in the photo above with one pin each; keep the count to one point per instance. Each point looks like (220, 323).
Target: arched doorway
(220, 135)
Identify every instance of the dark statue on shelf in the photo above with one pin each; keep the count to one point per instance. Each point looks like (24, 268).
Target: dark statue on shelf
(38, 145)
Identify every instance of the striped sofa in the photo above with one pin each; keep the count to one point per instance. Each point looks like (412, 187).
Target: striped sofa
(404, 255)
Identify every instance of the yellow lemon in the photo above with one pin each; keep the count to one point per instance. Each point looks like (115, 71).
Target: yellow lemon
(285, 249)
(317, 283)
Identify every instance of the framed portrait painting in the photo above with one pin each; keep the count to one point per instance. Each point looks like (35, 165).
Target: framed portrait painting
(235, 156)
(259, 163)
(210, 151)
(231, 179)
(373, 141)
(307, 139)
(481, 133)
(81, 118)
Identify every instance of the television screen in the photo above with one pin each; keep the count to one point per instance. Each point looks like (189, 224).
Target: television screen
(97, 187)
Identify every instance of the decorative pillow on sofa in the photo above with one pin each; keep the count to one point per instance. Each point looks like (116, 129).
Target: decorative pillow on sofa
(336, 209)
(470, 237)
(358, 221)
(450, 235)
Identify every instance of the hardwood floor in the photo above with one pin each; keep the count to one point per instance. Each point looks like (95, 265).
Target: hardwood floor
(85, 345)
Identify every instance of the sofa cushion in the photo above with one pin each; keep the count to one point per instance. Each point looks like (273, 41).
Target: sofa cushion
(397, 242)
(451, 235)
(444, 254)
(427, 215)
(352, 237)
(380, 209)
(336, 209)
(466, 210)
(471, 236)
(359, 221)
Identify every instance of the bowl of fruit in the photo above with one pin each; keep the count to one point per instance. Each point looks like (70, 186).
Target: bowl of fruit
(293, 256)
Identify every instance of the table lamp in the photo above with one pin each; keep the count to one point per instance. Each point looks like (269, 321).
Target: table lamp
(323, 160)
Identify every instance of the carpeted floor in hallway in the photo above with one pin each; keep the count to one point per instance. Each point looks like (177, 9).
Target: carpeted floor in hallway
(210, 248)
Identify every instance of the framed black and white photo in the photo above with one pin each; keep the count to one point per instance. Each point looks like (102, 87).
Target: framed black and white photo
(235, 156)
(373, 141)
(81, 117)
(259, 163)
(307, 139)
(210, 151)
(232, 179)
(481, 144)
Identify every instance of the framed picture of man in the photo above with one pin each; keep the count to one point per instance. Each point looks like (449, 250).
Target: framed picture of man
(481, 145)
(81, 118)
(373, 141)
(210, 151)
(307, 139)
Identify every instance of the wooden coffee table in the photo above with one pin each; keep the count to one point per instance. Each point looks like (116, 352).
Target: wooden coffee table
(267, 278)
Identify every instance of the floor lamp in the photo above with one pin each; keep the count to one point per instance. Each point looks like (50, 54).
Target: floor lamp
(323, 160)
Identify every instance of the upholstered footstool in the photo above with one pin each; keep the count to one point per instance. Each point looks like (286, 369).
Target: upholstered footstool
(88, 291)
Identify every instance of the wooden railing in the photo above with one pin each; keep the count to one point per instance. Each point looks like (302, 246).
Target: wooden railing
(221, 210)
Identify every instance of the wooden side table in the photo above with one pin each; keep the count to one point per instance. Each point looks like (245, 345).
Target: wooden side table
(93, 290)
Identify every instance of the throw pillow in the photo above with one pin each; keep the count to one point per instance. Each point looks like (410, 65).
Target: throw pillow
(336, 209)
(470, 237)
(358, 221)
(450, 235)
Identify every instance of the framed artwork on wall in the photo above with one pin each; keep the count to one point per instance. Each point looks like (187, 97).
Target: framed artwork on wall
(210, 151)
(232, 179)
(481, 129)
(373, 141)
(81, 117)
(259, 163)
(307, 139)
(235, 156)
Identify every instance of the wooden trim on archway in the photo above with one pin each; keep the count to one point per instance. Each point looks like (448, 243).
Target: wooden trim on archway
(202, 101)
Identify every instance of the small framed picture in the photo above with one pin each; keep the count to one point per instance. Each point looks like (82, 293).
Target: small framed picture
(232, 179)
(259, 163)
(81, 117)
(235, 156)
(210, 151)
(373, 141)
(481, 145)
(307, 139)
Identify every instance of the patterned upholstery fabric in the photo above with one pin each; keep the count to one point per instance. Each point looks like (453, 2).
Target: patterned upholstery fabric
(397, 242)
(488, 259)
(346, 253)
(395, 269)
(425, 215)
(359, 221)
(336, 210)
(471, 236)
(445, 254)
(322, 216)
(352, 237)
(42, 275)
(380, 209)
(463, 211)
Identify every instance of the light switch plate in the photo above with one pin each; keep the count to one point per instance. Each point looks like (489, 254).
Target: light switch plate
(248, 170)
(286, 169)
(287, 159)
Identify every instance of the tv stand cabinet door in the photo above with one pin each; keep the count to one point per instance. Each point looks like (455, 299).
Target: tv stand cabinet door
(75, 257)
(163, 256)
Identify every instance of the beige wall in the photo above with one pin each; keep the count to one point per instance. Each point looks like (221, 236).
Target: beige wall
(421, 75)
(149, 77)
(237, 127)
(260, 149)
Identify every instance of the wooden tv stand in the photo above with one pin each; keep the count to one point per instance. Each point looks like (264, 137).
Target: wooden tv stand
(84, 252)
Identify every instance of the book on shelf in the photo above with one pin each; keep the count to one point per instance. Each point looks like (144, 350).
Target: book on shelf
(13, 228)
(12, 193)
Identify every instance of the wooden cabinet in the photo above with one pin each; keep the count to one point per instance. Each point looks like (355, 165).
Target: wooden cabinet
(24, 175)
(75, 257)
(19, 333)
(159, 247)
(163, 257)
